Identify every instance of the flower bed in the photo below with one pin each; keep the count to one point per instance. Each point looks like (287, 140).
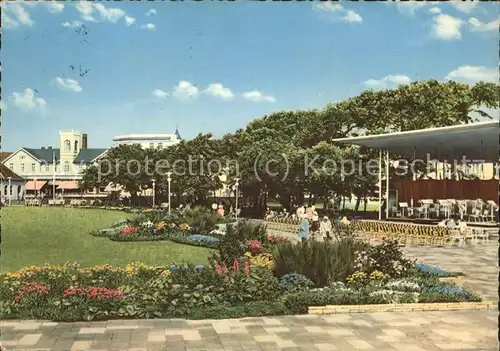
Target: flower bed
(248, 275)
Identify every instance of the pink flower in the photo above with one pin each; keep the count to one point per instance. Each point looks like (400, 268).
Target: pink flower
(236, 266)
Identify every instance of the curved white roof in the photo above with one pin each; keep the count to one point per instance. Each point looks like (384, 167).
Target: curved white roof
(478, 141)
(145, 137)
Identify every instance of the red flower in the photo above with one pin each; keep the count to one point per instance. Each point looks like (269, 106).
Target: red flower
(254, 244)
(218, 267)
(247, 268)
(236, 266)
(31, 288)
(128, 230)
(94, 293)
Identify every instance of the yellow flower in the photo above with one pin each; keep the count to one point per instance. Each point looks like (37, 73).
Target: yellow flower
(161, 225)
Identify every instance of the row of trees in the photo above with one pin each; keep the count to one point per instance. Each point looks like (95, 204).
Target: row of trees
(271, 155)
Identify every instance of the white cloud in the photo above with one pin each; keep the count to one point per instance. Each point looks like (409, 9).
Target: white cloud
(478, 26)
(149, 26)
(258, 96)
(8, 22)
(410, 7)
(435, 10)
(16, 15)
(350, 16)
(185, 89)
(89, 10)
(129, 20)
(28, 100)
(218, 90)
(109, 14)
(387, 81)
(55, 7)
(85, 9)
(353, 17)
(447, 27)
(464, 6)
(72, 24)
(160, 93)
(327, 7)
(67, 84)
(473, 74)
(151, 12)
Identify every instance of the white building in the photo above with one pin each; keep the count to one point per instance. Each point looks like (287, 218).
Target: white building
(148, 141)
(66, 163)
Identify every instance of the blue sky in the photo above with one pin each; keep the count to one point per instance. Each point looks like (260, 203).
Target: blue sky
(213, 67)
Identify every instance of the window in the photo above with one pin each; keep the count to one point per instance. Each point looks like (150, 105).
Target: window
(10, 190)
(76, 146)
(66, 167)
(160, 146)
(33, 167)
(67, 146)
(22, 167)
(151, 145)
(11, 165)
(47, 168)
(5, 190)
(22, 157)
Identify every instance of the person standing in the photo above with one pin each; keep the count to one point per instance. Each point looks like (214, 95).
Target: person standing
(315, 219)
(325, 228)
(303, 228)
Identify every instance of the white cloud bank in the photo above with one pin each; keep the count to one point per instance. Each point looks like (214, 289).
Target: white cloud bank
(473, 74)
(67, 84)
(257, 96)
(387, 81)
(27, 100)
(218, 90)
(185, 90)
(340, 12)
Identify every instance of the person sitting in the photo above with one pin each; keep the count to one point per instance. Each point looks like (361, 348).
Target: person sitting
(345, 221)
(451, 224)
(462, 226)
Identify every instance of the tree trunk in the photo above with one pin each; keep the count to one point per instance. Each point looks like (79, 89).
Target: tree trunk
(358, 202)
(365, 203)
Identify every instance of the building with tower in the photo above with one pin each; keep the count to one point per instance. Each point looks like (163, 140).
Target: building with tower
(54, 168)
(149, 141)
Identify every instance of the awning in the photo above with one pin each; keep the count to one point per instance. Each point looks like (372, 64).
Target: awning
(51, 182)
(68, 185)
(476, 141)
(35, 185)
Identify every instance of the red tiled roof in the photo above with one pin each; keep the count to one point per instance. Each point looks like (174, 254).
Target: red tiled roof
(4, 155)
(5, 173)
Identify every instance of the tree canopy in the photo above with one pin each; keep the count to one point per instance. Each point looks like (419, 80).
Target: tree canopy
(269, 155)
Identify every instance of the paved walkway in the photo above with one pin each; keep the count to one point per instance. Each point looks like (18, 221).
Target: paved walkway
(416, 331)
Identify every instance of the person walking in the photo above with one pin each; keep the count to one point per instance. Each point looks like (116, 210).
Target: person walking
(303, 228)
(325, 229)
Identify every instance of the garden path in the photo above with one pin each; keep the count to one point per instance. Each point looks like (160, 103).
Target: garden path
(415, 331)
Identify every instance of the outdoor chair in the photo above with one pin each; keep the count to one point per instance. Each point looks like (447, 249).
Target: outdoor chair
(475, 216)
(462, 208)
(403, 206)
(457, 237)
(493, 207)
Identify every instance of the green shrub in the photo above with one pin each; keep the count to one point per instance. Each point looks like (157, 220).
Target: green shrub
(322, 262)
(386, 258)
(201, 220)
(231, 246)
(294, 282)
(248, 309)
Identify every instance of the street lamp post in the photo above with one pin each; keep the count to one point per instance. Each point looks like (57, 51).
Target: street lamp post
(154, 191)
(169, 180)
(236, 190)
(10, 190)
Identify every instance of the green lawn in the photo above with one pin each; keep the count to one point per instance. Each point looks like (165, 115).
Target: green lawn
(35, 236)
